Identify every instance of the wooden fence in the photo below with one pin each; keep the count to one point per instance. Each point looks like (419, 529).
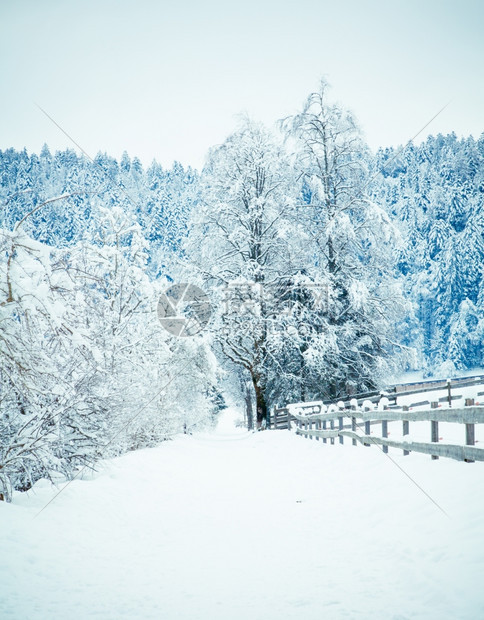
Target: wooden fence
(393, 392)
(355, 424)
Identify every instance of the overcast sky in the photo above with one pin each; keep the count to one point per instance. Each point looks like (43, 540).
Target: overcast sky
(167, 80)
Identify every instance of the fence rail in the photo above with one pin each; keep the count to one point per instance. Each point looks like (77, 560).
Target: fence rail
(312, 422)
(393, 392)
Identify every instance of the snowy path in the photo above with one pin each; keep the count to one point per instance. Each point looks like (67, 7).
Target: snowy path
(248, 526)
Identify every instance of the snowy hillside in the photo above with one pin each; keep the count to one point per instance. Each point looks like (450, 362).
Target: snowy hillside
(236, 525)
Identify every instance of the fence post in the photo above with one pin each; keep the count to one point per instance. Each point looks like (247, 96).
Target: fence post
(384, 433)
(449, 396)
(324, 428)
(434, 431)
(367, 432)
(318, 428)
(434, 427)
(384, 429)
(470, 430)
(353, 425)
(310, 425)
(353, 428)
(288, 420)
(331, 424)
(341, 438)
(406, 429)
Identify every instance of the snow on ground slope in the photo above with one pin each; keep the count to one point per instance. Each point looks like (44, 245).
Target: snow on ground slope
(235, 525)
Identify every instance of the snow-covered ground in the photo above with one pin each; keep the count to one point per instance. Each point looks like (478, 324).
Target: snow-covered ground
(235, 525)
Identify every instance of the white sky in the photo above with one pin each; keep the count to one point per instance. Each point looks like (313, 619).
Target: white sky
(167, 79)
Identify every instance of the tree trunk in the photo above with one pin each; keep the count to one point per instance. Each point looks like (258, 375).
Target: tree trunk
(248, 408)
(261, 406)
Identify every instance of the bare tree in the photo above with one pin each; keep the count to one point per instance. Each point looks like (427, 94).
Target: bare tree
(355, 243)
(238, 239)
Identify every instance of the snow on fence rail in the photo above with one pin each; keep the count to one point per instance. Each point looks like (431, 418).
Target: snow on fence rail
(311, 421)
